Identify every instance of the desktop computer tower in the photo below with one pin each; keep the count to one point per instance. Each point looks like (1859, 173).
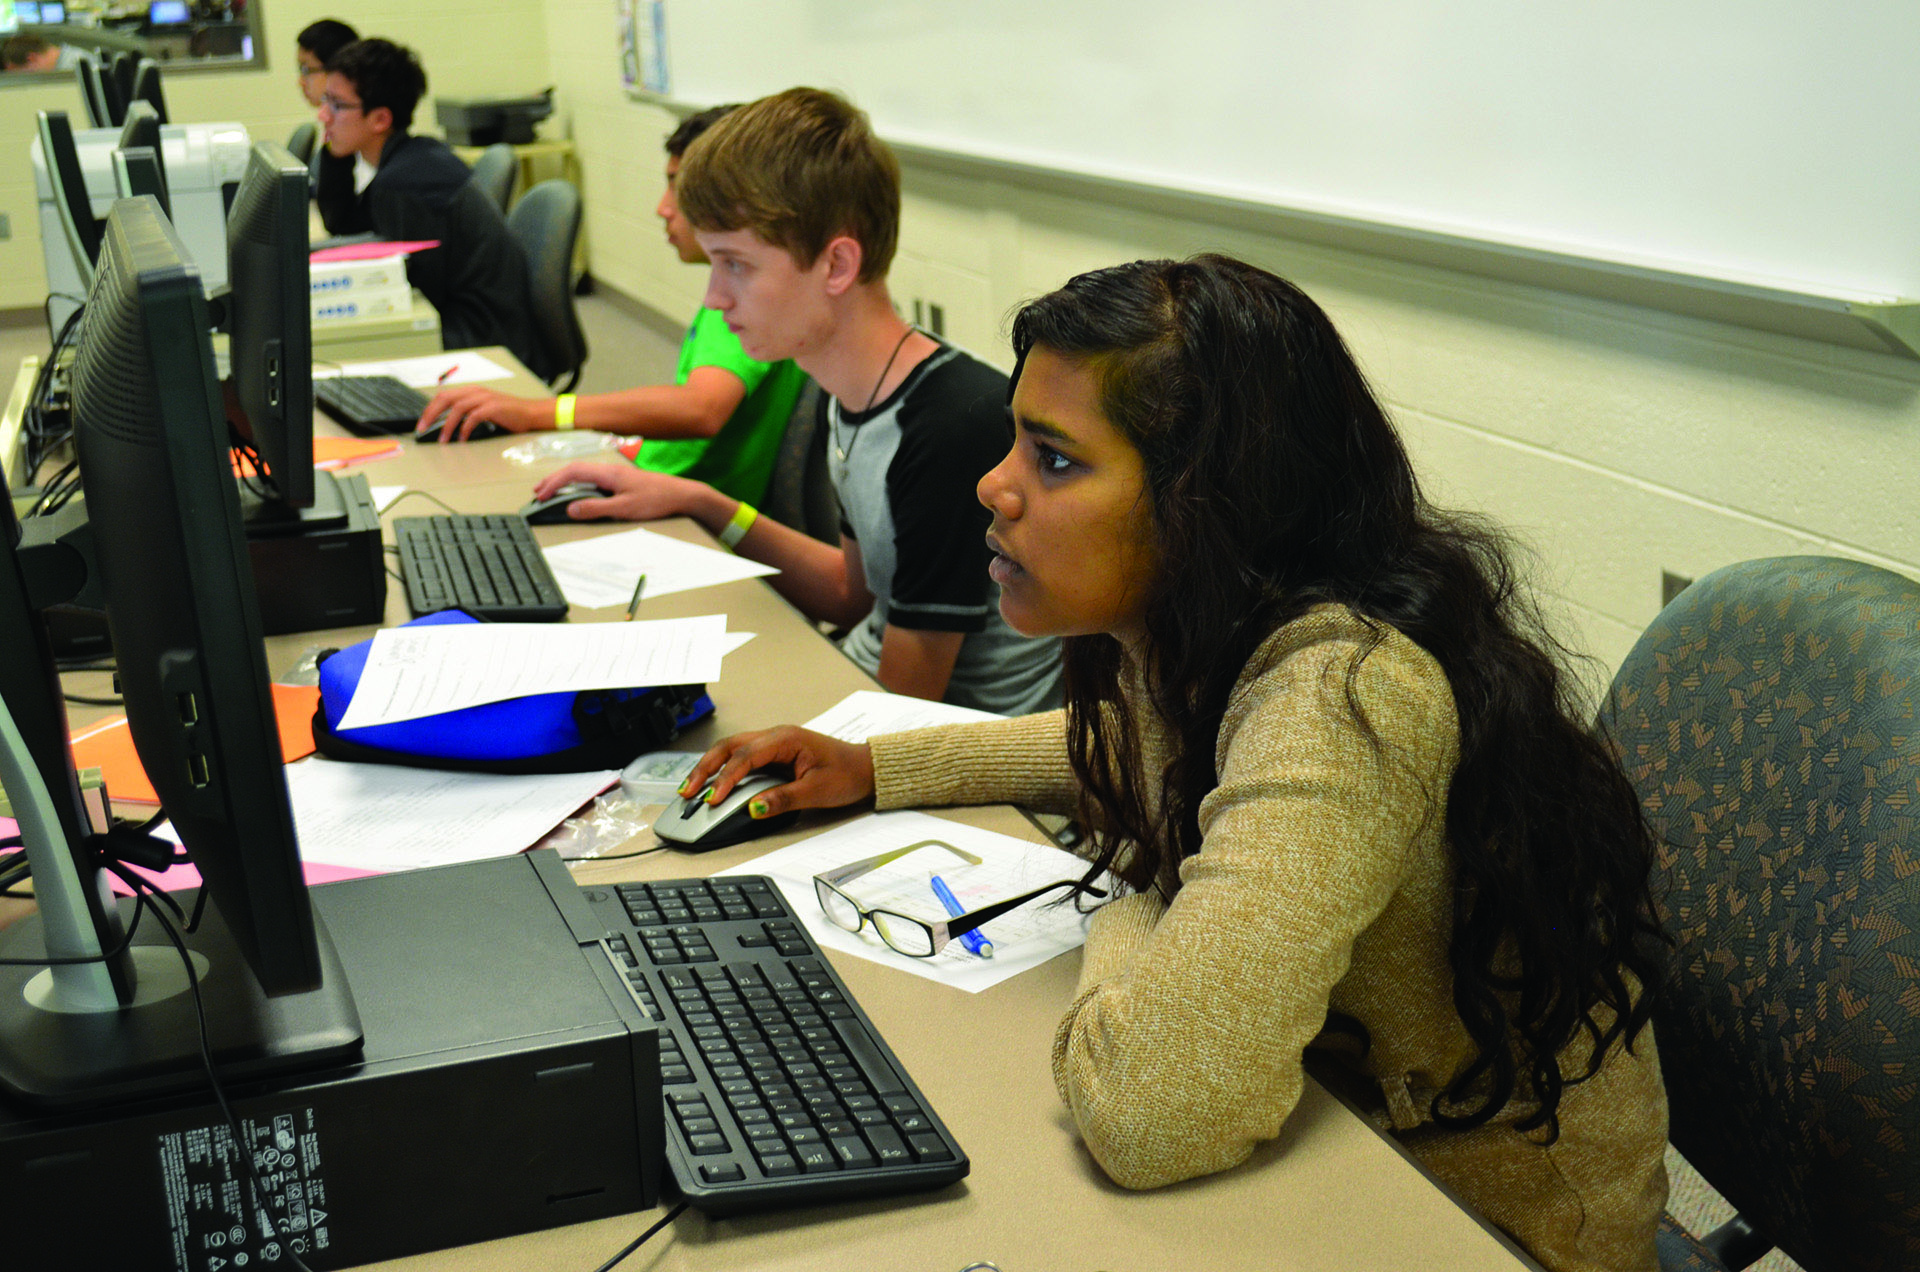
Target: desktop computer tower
(507, 1083)
(314, 576)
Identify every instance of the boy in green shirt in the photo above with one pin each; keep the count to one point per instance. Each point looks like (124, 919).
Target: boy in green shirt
(719, 422)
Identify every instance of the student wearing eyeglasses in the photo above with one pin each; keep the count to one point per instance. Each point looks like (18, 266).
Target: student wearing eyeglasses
(477, 277)
(1318, 731)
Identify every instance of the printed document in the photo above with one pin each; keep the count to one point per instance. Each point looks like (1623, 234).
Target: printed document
(601, 571)
(865, 712)
(422, 671)
(382, 817)
(1027, 937)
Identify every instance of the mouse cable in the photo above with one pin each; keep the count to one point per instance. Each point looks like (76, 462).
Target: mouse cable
(641, 1240)
(409, 494)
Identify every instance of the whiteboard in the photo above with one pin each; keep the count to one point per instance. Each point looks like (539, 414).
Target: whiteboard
(1768, 142)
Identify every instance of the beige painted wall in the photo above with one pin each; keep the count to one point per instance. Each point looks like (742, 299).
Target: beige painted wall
(1618, 441)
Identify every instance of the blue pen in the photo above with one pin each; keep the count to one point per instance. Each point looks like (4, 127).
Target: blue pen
(975, 943)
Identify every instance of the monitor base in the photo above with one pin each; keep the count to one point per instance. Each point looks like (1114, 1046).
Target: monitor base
(57, 1059)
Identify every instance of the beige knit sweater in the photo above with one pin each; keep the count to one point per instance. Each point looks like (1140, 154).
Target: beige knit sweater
(1323, 883)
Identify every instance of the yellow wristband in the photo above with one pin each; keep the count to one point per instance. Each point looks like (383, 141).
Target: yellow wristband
(742, 522)
(563, 412)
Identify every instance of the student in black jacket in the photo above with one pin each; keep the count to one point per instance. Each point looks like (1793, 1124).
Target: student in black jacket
(477, 277)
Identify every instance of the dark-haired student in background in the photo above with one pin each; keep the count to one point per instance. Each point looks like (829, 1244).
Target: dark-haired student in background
(477, 276)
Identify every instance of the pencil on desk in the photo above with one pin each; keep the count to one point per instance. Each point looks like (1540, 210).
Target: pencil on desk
(633, 606)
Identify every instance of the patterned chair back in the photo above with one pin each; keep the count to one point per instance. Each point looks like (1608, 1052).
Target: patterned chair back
(1770, 719)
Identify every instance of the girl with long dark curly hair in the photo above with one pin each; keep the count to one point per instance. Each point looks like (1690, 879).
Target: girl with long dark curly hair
(1319, 732)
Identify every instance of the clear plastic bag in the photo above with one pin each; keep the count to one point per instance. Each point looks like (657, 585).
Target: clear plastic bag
(608, 824)
(544, 448)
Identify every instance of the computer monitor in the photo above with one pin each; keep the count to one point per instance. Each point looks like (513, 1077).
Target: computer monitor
(27, 11)
(168, 13)
(142, 129)
(52, 13)
(146, 88)
(93, 92)
(70, 197)
(152, 443)
(270, 327)
(136, 171)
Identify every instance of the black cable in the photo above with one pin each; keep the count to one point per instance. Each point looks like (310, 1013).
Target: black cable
(88, 663)
(85, 701)
(140, 907)
(259, 1214)
(623, 856)
(641, 1240)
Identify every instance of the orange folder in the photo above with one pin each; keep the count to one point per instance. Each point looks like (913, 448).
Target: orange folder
(337, 452)
(108, 746)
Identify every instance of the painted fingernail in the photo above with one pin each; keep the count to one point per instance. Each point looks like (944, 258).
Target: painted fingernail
(757, 808)
(686, 788)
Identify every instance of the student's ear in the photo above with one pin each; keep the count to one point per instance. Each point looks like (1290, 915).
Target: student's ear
(844, 257)
(380, 119)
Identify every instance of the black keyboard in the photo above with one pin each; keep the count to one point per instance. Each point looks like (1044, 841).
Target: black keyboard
(487, 565)
(779, 1091)
(370, 403)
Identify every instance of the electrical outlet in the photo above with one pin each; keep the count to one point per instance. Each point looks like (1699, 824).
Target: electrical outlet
(919, 312)
(1671, 585)
(6, 226)
(936, 320)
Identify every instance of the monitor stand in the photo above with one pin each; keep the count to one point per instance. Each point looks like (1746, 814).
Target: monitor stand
(268, 519)
(59, 1059)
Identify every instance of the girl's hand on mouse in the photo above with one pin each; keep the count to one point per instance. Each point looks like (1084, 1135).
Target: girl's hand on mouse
(827, 773)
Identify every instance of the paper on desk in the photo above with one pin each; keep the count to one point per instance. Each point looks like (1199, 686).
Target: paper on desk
(601, 571)
(1027, 937)
(374, 250)
(865, 712)
(422, 671)
(383, 817)
(174, 878)
(383, 496)
(429, 371)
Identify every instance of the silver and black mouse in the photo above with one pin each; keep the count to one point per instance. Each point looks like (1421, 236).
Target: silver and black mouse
(695, 826)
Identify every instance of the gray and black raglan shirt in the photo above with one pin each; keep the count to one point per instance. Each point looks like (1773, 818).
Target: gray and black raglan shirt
(906, 472)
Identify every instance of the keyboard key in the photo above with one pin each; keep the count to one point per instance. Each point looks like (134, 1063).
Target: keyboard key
(928, 1147)
(852, 1151)
(722, 1172)
(706, 1145)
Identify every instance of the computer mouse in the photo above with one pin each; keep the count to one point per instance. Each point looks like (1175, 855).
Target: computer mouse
(552, 510)
(481, 431)
(694, 826)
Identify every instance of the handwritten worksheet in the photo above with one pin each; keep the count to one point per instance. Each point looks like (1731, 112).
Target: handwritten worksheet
(421, 671)
(1024, 938)
(601, 571)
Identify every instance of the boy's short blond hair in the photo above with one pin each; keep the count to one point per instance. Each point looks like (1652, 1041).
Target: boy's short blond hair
(798, 169)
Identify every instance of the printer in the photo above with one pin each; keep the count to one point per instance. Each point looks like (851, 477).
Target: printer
(482, 121)
(203, 163)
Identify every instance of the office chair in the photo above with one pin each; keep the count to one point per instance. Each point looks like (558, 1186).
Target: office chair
(494, 171)
(301, 140)
(1770, 719)
(800, 492)
(546, 222)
